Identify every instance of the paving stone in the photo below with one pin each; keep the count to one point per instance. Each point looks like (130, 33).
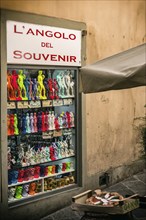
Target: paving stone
(141, 177)
(64, 214)
(137, 187)
(120, 188)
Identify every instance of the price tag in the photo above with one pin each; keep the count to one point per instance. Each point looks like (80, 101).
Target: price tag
(46, 103)
(34, 104)
(57, 133)
(11, 105)
(67, 132)
(67, 101)
(47, 135)
(23, 104)
(57, 102)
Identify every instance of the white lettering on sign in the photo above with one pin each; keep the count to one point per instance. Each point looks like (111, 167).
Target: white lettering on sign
(42, 45)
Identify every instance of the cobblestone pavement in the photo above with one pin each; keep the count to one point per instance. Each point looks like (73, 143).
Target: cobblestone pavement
(132, 185)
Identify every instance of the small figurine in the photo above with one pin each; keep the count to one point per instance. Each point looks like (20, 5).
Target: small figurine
(20, 175)
(46, 122)
(46, 171)
(18, 192)
(16, 131)
(71, 179)
(14, 83)
(28, 123)
(68, 82)
(52, 122)
(9, 157)
(12, 124)
(50, 184)
(51, 89)
(72, 120)
(47, 154)
(34, 88)
(42, 170)
(26, 175)
(25, 190)
(39, 121)
(10, 90)
(31, 122)
(63, 166)
(55, 151)
(30, 89)
(27, 87)
(8, 125)
(45, 185)
(56, 122)
(67, 180)
(41, 88)
(58, 149)
(38, 186)
(46, 87)
(62, 86)
(20, 80)
(11, 193)
(10, 177)
(58, 168)
(49, 170)
(23, 124)
(43, 122)
(19, 117)
(52, 157)
(68, 165)
(37, 172)
(14, 176)
(31, 173)
(66, 150)
(35, 122)
(56, 90)
(68, 119)
(60, 121)
(53, 169)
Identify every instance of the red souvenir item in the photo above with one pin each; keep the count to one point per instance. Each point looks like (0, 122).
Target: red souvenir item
(51, 89)
(36, 172)
(63, 166)
(55, 86)
(10, 90)
(14, 78)
(52, 153)
(57, 126)
(20, 175)
(26, 174)
(12, 124)
(43, 122)
(68, 119)
(8, 125)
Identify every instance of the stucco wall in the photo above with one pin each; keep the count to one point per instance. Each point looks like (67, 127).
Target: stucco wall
(112, 26)
(110, 117)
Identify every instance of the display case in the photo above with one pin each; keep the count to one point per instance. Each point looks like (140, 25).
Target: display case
(42, 129)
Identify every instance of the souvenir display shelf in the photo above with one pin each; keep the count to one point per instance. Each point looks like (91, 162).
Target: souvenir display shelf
(41, 127)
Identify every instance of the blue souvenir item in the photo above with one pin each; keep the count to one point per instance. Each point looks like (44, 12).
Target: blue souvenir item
(27, 86)
(39, 121)
(23, 124)
(34, 88)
